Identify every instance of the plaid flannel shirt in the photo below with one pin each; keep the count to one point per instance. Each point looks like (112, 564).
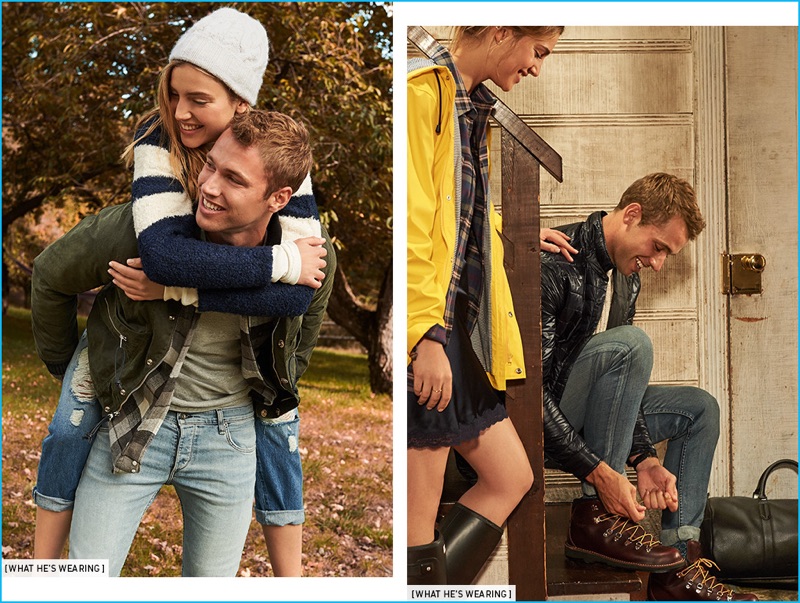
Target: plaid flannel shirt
(136, 423)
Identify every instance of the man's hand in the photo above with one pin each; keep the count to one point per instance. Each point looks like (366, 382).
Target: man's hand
(312, 251)
(134, 282)
(433, 378)
(657, 486)
(559, 243)
(616, 492)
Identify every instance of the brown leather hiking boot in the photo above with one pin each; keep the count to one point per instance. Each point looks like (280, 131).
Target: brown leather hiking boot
(692, 583)
(596, 535)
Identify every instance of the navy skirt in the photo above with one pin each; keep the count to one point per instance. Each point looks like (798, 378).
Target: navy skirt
(475, 405)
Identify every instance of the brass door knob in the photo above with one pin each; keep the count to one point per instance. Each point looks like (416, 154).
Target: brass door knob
(754, 263)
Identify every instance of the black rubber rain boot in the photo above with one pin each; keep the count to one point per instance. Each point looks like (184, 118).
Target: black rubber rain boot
(469, 539)
(426, 563)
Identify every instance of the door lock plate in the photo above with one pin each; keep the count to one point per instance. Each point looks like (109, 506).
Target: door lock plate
(741, 273)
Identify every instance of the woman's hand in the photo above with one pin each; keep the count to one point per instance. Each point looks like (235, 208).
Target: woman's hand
(559, 242)
(312, 251)
(433, 379)
(134, 282)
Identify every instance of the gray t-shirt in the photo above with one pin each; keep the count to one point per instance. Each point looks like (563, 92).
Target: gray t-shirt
(211, 377)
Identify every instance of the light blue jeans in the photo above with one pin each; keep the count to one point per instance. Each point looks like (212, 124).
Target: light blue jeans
(606, 388)
(210, 459)
(279, 484)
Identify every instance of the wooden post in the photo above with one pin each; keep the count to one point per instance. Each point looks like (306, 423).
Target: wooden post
(526, 526)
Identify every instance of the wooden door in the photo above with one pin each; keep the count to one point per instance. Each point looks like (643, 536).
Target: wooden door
(618, 103)
(761, 134)
(718, 107)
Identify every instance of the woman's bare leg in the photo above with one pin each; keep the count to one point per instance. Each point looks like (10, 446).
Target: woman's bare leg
(50, 536)
(285, 547)
(504, 473)
(425, 469)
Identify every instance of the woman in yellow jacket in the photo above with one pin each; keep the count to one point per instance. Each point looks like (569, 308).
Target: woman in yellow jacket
(463, 337)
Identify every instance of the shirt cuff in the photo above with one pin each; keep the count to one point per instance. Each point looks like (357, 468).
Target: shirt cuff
(185, 295)
(436, 333)
(286, 263)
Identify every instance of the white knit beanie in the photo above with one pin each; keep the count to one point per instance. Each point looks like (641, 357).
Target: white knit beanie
(231, 46)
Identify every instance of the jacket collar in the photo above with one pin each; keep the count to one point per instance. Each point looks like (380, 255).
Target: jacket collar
(595, 240)
(271, 237)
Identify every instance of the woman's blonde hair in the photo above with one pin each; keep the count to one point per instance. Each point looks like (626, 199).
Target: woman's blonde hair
(186, 163)
(473, 34)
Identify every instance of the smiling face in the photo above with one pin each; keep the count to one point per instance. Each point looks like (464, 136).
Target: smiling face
(634, 246)
(201, 105)
(524, 57)
(233, 207)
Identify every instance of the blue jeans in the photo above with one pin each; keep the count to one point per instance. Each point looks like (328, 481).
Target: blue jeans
(210, 459)
(279, 484)
(279, 471)
(605, 390)
(67, 444)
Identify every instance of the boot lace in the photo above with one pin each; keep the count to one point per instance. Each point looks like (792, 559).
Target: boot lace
(637, 535)
(701, 578)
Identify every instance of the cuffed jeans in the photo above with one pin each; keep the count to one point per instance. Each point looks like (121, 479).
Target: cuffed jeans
(279, 471)
(68, 442)
(605, 390)
(210, 459)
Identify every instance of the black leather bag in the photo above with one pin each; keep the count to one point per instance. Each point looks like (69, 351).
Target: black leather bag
(752, 539)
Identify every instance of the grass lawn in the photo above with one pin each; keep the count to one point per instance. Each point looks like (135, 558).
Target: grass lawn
(345, 442)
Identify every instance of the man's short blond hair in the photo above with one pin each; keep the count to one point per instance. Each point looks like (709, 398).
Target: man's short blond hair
(663, 196)
(282, 143)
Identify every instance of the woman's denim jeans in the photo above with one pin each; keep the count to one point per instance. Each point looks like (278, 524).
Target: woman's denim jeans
(606, 388)
(279, 471)
(67, 444)
(209, 458)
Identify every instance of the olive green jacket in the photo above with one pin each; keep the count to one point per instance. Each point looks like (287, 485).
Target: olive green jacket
(129, 339)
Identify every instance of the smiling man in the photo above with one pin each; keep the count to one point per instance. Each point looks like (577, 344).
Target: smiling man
(180, 388)
(599, 411)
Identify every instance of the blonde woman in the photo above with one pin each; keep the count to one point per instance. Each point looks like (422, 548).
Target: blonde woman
(463, 338)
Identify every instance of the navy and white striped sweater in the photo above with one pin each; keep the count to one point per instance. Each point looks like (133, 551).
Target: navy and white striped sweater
(236, 280)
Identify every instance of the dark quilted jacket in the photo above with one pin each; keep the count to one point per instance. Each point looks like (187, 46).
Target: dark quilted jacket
(572, 301)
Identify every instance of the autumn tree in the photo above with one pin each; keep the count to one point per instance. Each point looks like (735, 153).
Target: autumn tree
(76, 76)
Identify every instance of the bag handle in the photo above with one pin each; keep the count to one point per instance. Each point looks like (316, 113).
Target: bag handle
(762, 481)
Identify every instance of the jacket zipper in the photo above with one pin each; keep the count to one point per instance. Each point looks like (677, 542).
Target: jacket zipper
(439, 83)
(96, 428)
(439, 131)
(123, 339)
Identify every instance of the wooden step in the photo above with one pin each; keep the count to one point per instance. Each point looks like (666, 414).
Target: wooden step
(570, 579)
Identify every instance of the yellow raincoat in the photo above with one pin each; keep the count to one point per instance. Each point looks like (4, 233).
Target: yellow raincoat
(432, 225)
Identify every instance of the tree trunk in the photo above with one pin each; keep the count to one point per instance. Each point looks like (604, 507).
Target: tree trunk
(380, 350)
(372, 328)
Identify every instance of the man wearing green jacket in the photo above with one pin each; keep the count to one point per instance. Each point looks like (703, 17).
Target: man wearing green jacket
(179, 388)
